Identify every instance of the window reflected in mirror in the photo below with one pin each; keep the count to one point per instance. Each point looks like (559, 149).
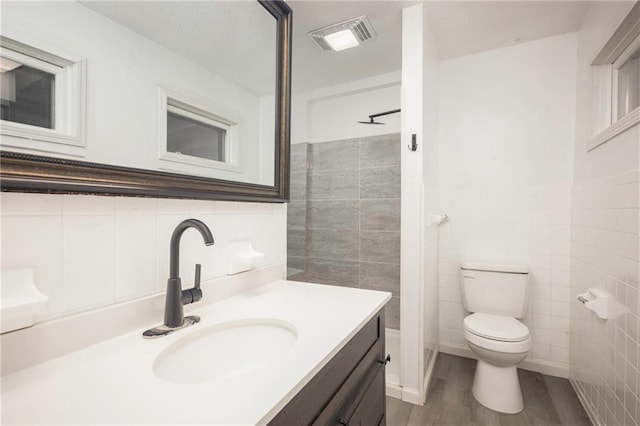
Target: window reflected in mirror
(27, 94)
(198, 137)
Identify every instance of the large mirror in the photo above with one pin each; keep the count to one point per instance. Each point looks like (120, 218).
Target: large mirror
(186, 99)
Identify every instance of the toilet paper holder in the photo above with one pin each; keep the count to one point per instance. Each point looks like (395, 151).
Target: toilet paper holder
(602, 303)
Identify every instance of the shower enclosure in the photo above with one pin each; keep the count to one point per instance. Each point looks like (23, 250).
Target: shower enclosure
(361, 208)
(344, 220)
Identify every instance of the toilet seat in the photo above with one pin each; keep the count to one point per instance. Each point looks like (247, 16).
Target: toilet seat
(497, 333)
(496, 327)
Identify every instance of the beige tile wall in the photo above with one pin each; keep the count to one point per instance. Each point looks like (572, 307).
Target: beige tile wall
(92, 251)
(605, 254)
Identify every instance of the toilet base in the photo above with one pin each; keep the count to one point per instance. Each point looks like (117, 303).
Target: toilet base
(498, 387)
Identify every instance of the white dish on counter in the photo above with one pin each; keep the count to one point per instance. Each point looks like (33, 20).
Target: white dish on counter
(114, 382)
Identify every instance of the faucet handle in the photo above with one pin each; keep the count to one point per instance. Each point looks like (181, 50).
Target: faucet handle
(193, 294)
(195, 291)
(197, 279)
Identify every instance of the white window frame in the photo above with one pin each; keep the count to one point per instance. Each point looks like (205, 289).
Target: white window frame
(605, 124)
(68, 135)
(634, 47)
(206, 120)
(170, 101)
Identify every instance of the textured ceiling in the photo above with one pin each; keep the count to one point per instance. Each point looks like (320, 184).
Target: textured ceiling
(460, 28)
(314, 68)
(236, 38)
(463, 28)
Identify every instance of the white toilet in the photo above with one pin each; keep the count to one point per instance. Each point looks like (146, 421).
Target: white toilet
(496, 295)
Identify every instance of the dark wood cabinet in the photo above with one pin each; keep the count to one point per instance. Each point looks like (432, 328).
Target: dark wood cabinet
(349, 390)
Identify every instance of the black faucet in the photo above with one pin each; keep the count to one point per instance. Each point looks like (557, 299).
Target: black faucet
(176, 297)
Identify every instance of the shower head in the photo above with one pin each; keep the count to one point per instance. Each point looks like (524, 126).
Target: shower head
(372, 116)
(370, 122)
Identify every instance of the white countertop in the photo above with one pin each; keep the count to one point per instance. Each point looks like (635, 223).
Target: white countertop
(113, 382)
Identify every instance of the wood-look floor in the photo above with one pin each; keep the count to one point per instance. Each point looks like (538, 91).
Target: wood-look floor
(547, 400)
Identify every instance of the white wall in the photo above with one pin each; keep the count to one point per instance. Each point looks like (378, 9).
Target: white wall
(506, 160)
(430, 160)
(605, 255)
(507, 117)
(337, 118)
(332, 113)
(605, 246)
(266, 134)
(124, 72)
(90, 251)
(418, 325)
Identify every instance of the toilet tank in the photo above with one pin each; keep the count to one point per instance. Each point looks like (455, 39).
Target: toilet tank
(495, 289)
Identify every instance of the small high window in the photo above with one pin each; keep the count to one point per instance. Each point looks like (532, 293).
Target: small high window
(616, 82)
(196, 137)
(27, 93)
(627, 80)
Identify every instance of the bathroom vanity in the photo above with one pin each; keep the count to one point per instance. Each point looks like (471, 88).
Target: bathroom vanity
(282, 353)
(350, 389)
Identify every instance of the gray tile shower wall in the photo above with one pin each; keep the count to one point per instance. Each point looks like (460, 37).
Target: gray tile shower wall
(344, 215)
(297, 211)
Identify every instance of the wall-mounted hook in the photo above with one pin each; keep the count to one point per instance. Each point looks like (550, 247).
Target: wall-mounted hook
(414, 143)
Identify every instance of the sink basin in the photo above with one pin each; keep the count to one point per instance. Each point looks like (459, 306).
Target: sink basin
(224, 351)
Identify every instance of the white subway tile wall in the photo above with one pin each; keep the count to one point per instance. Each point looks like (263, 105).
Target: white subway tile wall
(530, 226)
(91, 251)
(604, 354)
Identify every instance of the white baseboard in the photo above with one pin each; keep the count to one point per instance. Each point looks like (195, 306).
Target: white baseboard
(393, 388)
(392, 333)
(457, 351)
(428, 374)
(588, 407)
(548, 368)
(394, 391)
(413, 396)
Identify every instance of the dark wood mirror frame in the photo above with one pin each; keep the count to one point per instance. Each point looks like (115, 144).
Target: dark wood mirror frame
(32, 173)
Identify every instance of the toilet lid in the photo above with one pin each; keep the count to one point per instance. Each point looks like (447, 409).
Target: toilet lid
(496, 327)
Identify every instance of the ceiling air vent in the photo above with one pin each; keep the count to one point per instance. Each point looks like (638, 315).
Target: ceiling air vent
(344, 35)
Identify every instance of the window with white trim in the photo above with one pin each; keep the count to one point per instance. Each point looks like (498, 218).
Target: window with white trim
(42, 97)
(196, 136)
(199, 136)
(616, 82)
(28, 90)
(626, 82)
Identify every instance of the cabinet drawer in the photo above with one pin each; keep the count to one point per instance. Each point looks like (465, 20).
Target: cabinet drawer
(367, 406)
(319, 393)
(341, 407)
